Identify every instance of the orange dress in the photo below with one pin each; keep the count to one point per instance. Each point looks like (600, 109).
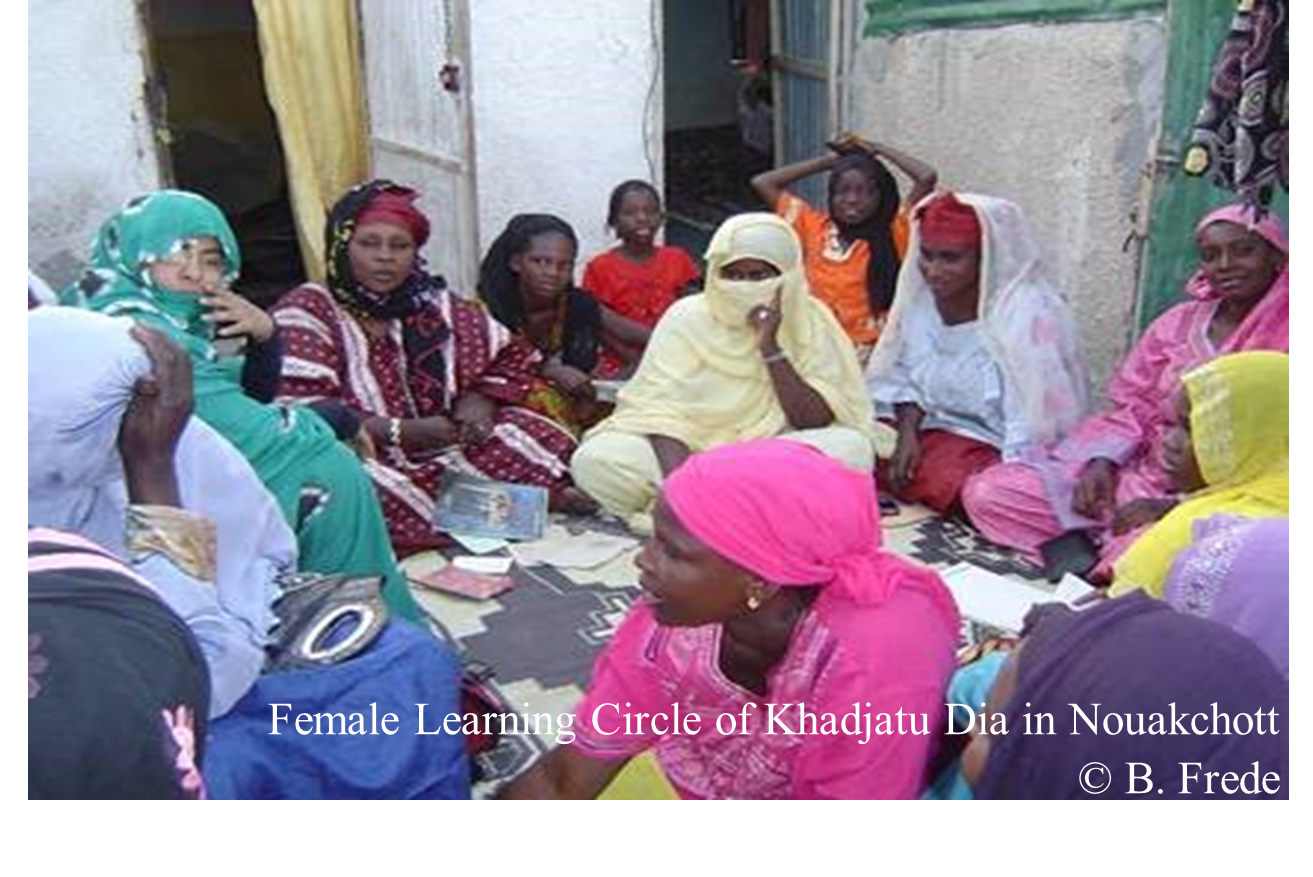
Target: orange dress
(837, 273)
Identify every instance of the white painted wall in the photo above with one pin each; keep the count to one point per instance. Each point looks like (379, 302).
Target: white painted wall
(89, 146)
(560, 92)
(1058, 118)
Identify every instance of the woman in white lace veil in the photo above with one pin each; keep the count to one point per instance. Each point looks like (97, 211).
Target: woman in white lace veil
(979, 360)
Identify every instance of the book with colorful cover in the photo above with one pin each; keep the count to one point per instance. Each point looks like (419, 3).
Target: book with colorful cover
(495, 509)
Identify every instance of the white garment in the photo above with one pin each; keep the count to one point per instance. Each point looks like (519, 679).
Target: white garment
(949, 373)
(81, 368)
(40, 290)
(1024, 325)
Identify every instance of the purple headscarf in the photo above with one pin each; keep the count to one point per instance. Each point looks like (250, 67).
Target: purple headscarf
(1237, 572)
(1136, 655)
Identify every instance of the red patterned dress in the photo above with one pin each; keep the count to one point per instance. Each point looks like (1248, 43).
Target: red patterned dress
(329, 355)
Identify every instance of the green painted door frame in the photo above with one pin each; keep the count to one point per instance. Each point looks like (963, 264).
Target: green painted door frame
(1196, 29)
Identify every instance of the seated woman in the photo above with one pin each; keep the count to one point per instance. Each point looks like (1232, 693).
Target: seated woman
(980, 360)
(765, 584)
(117, 689)
(1229, 453)
(166, 260)
(527, 281)
(115, 457)
(1131, 655)
(1237, 572)
(435, 382)
(1106, 477)
(754, 356)
(853, 250)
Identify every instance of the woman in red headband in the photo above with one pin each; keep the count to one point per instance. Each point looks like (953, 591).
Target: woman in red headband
(434, 381)
(979, 361)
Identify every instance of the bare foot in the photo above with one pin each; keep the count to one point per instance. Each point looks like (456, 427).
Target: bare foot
(573, 501)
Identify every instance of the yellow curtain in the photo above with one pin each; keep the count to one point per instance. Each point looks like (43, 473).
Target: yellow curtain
(312, 78)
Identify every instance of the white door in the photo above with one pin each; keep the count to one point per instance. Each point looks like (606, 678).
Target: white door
(419, 120)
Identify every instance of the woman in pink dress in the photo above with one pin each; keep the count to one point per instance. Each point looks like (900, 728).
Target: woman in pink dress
(767, 595)
(1106, 476)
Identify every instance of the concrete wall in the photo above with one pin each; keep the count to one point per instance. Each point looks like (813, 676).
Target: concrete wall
(701, 84)
(560, 95)
(1058, 118)
(89, 144)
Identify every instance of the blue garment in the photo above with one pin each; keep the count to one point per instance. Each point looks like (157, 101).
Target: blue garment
(970, 686)
(402, 668)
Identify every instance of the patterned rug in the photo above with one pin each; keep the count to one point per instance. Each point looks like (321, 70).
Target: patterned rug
(538, 640)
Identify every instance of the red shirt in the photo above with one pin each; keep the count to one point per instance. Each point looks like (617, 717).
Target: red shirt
(641, 291)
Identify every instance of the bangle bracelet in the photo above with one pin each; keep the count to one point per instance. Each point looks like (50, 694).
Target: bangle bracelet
(777, 356)
(394, 432)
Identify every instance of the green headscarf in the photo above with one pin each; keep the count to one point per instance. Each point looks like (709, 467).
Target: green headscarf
(291, 448)
(149, 229)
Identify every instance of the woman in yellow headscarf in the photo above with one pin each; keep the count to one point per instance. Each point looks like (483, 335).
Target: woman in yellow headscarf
(1230, 452)
(755, 356)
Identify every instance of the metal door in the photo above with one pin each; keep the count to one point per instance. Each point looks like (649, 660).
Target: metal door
(801, 77)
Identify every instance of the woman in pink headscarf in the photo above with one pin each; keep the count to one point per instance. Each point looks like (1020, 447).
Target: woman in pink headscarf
(769, 609)
(1106, 477)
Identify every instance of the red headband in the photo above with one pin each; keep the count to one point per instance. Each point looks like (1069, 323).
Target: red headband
(947, 221)
(396, 207)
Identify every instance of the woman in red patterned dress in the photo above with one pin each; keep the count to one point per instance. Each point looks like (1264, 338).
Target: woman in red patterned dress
(433, 380)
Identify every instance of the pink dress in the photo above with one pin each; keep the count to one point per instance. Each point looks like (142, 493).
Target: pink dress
(1024, 504)
(903, 663)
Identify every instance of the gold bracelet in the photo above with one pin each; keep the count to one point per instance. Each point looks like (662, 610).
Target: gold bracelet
(394, 432)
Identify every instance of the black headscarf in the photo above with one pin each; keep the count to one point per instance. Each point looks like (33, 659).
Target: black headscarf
(423, 333)
(499, 287)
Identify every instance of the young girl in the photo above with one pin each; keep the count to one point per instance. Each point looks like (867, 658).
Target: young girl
(638, 279)
(853, 251)
(527, 281)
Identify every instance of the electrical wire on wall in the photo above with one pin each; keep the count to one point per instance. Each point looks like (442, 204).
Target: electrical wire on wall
(649, 106)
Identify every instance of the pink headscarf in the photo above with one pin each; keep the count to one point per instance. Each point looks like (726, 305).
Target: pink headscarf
(1268, 325)
(788, 513)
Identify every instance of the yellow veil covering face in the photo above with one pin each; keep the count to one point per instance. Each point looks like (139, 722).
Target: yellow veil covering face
(702, 379)
(1240, 429)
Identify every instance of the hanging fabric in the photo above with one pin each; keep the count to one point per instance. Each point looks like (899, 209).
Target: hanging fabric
(1241, 137)
(313, 81)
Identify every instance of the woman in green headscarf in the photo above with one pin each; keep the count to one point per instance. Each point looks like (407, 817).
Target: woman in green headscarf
(166, 260)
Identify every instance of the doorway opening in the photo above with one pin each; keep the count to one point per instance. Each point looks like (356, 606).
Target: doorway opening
(219, 135)
(719, 121)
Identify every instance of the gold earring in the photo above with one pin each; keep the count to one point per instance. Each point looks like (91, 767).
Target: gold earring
(754, 603)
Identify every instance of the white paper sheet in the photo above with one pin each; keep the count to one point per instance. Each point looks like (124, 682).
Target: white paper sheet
(996, 601)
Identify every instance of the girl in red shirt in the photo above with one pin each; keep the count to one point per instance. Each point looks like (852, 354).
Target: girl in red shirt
(638, 279)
